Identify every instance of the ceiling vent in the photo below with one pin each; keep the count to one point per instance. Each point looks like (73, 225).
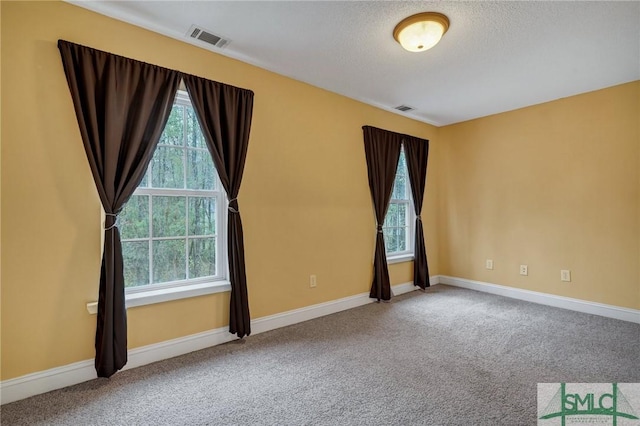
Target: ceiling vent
(207, 37)
(404, 108)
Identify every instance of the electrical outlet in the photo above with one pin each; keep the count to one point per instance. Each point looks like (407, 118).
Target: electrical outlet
(489, 264)
(524, 270)
(565, 275)
(312, 281)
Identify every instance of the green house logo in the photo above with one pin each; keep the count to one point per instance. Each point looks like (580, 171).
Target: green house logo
(588, 404)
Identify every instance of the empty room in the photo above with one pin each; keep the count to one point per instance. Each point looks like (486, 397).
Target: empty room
(320, 213)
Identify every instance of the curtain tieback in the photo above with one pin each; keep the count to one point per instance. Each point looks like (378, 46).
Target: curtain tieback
(418, 217)
(114, 219)
(379, 227)
(233, 205)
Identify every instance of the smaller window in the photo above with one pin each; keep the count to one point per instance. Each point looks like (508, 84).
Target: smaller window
(398, 224)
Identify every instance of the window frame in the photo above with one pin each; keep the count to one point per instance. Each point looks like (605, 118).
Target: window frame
(410, 217)
(189, 287)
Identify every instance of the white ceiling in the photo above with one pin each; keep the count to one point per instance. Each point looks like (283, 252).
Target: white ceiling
(496, 56)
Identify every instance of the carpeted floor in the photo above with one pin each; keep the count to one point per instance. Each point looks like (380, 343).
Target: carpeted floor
(447, 357)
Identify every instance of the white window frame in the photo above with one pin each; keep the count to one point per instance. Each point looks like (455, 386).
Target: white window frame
(173, 290)
(405, 255)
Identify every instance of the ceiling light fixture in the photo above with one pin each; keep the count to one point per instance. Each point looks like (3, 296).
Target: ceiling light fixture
(421, 32)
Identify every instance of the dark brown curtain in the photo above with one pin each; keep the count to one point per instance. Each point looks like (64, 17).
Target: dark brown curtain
(382, 150)
(417, 152)
(122, 106)
(224, 113)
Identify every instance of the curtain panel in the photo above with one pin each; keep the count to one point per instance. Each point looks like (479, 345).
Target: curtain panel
(417, 153)
(224, 113)
(122, 106)
(382, 151)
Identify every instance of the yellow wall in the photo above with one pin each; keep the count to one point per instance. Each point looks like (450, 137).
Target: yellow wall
(305, 199)
(554, 186)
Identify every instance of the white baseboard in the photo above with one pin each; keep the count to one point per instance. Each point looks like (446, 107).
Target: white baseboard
(78, 372)
(45, 381)
(609, 311)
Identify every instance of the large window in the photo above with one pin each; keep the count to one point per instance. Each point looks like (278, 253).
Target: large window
(398, 224)
(171, 227)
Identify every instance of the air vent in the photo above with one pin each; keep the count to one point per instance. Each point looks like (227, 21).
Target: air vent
(207, 37)
(404, 108)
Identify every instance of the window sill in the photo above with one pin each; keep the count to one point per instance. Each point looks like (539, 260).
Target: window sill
(168, 294)
(400, 258)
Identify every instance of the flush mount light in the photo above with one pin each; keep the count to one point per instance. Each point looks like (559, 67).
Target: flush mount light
(421, 32)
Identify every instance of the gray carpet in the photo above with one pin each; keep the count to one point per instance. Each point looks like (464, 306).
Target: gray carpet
(447, 357)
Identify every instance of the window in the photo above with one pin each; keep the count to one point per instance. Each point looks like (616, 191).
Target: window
(171, 227)
(399, 222)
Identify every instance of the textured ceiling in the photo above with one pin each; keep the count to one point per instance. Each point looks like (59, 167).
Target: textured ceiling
(496, 56)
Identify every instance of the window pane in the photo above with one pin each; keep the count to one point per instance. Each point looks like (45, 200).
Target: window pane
(202, 216)
(402, 238)
(135, 255)
(395, 228)
(133, 221)
(398, 233)
(179, 231)
(168, 168)
(392, 216)
(200, 170)
(400, 183)
(169, 260)
(169, 216)
(202, 257)
(402, 163)
(195, 138)
(145, 180)
(402, 215)
(400, 187)
(173, 133)
(390, 240)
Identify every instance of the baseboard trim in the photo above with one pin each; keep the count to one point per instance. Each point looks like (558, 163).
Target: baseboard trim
(609, 311)
(45, 381)
(82, 371)
(59, 377)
